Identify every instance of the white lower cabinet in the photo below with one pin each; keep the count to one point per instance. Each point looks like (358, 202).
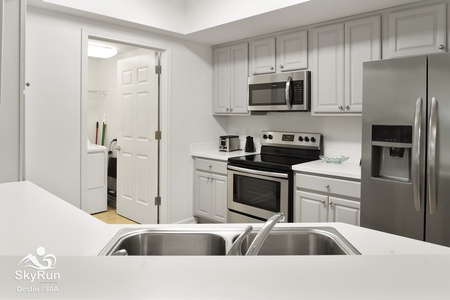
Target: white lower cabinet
(210, 190)
(325, 199)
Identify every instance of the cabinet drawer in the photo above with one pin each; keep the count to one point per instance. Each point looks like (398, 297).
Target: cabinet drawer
(211, 166)
(328, 185)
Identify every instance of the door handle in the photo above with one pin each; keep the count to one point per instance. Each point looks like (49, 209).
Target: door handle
(415, 157)
(431, 168)
(287, 93)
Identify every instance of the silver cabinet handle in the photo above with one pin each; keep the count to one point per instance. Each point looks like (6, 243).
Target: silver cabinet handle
(431, 171)
(118, 148)
(347, 107)
(327, 186)
(415, 157)
(281, 66)
(287, 92)
(271, 68)
(441, 47)
(340, 107)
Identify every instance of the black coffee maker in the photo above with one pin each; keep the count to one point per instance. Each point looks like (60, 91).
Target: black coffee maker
(249, 145)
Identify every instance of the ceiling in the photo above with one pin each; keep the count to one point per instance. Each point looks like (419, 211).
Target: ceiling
(216, 21)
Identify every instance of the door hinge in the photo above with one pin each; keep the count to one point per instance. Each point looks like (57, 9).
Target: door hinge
(158, 135)
(158, 70)
(157, 200)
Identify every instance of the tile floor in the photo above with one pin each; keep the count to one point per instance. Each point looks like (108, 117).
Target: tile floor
(111, 217)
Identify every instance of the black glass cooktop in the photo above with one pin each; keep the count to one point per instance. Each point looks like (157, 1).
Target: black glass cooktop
(275, 159)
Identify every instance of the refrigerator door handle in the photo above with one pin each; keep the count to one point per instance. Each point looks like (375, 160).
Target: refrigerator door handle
(415, 157)
(431, 170)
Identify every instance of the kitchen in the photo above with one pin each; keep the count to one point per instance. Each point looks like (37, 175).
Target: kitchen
(341, 133)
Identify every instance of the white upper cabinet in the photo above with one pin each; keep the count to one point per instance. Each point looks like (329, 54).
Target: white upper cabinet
(230, 79)
(362, 43)
(283, 53)
(338, 54)
(262, 56)
(327, 73)
(239, 78)
(221, 82)
(418, 31)
(292, 51)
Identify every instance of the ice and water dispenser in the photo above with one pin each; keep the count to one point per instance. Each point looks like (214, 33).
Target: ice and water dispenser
(391, 152)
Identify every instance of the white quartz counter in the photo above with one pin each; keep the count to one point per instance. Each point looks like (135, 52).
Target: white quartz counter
(347, 169)
(211, 151)
(390, 267)
(218, 155)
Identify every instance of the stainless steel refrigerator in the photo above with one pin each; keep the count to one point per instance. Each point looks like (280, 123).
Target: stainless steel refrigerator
(405, 178)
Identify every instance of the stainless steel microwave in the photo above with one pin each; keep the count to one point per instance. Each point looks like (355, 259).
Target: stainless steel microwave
(280, 92)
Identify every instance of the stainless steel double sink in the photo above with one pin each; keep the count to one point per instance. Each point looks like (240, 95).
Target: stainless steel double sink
(280, 241)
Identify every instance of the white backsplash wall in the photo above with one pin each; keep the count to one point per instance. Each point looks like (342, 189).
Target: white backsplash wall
(341, 135)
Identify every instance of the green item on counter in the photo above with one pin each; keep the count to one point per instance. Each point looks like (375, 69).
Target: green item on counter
(103, 133)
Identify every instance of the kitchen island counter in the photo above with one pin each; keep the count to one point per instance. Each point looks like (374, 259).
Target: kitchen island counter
(391, 267)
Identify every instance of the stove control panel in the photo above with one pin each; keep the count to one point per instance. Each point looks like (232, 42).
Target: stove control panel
(292, 139)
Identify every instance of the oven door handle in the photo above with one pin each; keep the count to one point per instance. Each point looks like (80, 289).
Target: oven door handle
(257, 172)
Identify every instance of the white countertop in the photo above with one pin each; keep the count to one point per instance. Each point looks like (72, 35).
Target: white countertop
(347, 169)
(390, 267)
(219, 155)
(211, 151)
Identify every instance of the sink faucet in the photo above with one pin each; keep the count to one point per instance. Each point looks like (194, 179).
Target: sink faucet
(236, 247)
(263, 233)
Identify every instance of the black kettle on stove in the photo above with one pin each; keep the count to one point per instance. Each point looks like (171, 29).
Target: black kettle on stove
(249, 144)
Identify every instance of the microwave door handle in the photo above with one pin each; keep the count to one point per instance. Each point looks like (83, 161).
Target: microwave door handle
(287, 93)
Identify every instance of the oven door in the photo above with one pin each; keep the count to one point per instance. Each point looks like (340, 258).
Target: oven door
(255, 193)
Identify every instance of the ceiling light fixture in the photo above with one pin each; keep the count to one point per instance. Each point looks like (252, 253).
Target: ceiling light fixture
(101, 51)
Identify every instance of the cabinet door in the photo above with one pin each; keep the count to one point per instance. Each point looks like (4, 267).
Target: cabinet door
(262, 56)
(418, 31)
(309, 207)
(221, 82)
(292, 51)
(219, 198)
(328, 69)
(239, 78)
(343, 210)
(202, 194)
(362, 43)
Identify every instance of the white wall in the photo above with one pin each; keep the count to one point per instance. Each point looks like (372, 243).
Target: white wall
(53, 139)
(9, 106)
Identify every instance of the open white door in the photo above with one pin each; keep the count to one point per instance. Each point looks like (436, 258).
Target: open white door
(137, 155)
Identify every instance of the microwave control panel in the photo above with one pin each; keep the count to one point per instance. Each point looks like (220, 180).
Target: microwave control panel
(297, 92)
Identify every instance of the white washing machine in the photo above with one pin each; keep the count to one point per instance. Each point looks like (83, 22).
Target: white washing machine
(96, 200)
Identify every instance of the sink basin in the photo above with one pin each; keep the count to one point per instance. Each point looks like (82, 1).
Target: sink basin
(151, 242)
(302, 241)
(193, 241)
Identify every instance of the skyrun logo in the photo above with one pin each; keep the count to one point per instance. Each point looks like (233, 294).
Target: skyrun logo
(42, 266)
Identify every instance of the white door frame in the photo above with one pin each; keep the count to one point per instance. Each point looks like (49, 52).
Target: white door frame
(164, 111)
